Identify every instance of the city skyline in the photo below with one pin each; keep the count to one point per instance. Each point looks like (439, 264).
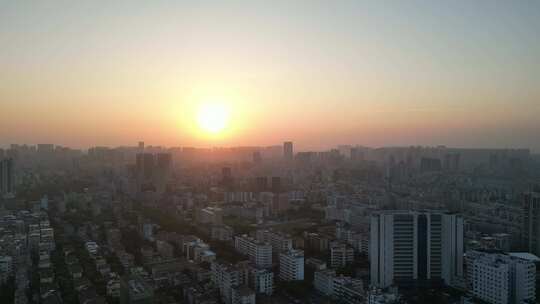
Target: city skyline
(458, 74)
(284, 152)
(349, 148)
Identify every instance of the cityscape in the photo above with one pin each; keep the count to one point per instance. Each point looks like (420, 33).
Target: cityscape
(269, 152)
(148, 224)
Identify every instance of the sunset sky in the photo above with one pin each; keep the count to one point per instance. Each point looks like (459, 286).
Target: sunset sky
(319, 73)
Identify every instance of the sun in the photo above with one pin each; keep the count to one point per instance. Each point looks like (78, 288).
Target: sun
(213, 118)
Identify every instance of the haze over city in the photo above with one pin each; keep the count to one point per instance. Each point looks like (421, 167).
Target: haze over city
(458, 73)
(270, 152)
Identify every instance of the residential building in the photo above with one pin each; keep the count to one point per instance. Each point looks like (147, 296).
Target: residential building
(341, 255)
(499, 278)
(316, 242)
(341, 288)
(291, 265)
(323, 281)
(378, 296)
(348, 290)
(222, 233)
(279, 241)
(262, 281)
(315, 264)
(260, 253)
(226, 277)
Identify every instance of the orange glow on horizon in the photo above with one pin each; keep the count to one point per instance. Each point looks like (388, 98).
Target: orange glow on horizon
(213, 117)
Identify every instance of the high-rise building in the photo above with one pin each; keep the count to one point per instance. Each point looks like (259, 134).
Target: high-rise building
(163, 171)
(226, 177)
(262, 281)
(149, 165)
(341, 254)
(7, 176)
(145, 163)
(415, 248)
(261, 184)
(531, 222)
(356, 154)
(429, 164)
(153, 171)
(276, 184)
(257, 158)
(499, 278)
(288, 153)
(280, 203)
(323, 281)
(164, 162)
(145, 171)
(291, 265)
(260, 253)
(45, 149)
(451, 162)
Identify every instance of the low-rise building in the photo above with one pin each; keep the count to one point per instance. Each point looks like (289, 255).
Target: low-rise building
(379, 296)
(210, 215)
(279, 242)
(316, 242)
(342, 288)
(134, 290)
(222, 233)
(165, 249)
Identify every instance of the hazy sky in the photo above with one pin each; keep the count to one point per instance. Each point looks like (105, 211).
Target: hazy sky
(460, 73)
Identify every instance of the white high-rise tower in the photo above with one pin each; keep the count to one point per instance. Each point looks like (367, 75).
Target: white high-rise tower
(415, 247)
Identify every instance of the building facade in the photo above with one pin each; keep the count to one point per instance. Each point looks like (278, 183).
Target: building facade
(7, 177)
(415, 247)
(227, 277)
(291, 265)
(288, 153)
(531, 222)
(259, 253)
(496, 277)
(341, 255)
